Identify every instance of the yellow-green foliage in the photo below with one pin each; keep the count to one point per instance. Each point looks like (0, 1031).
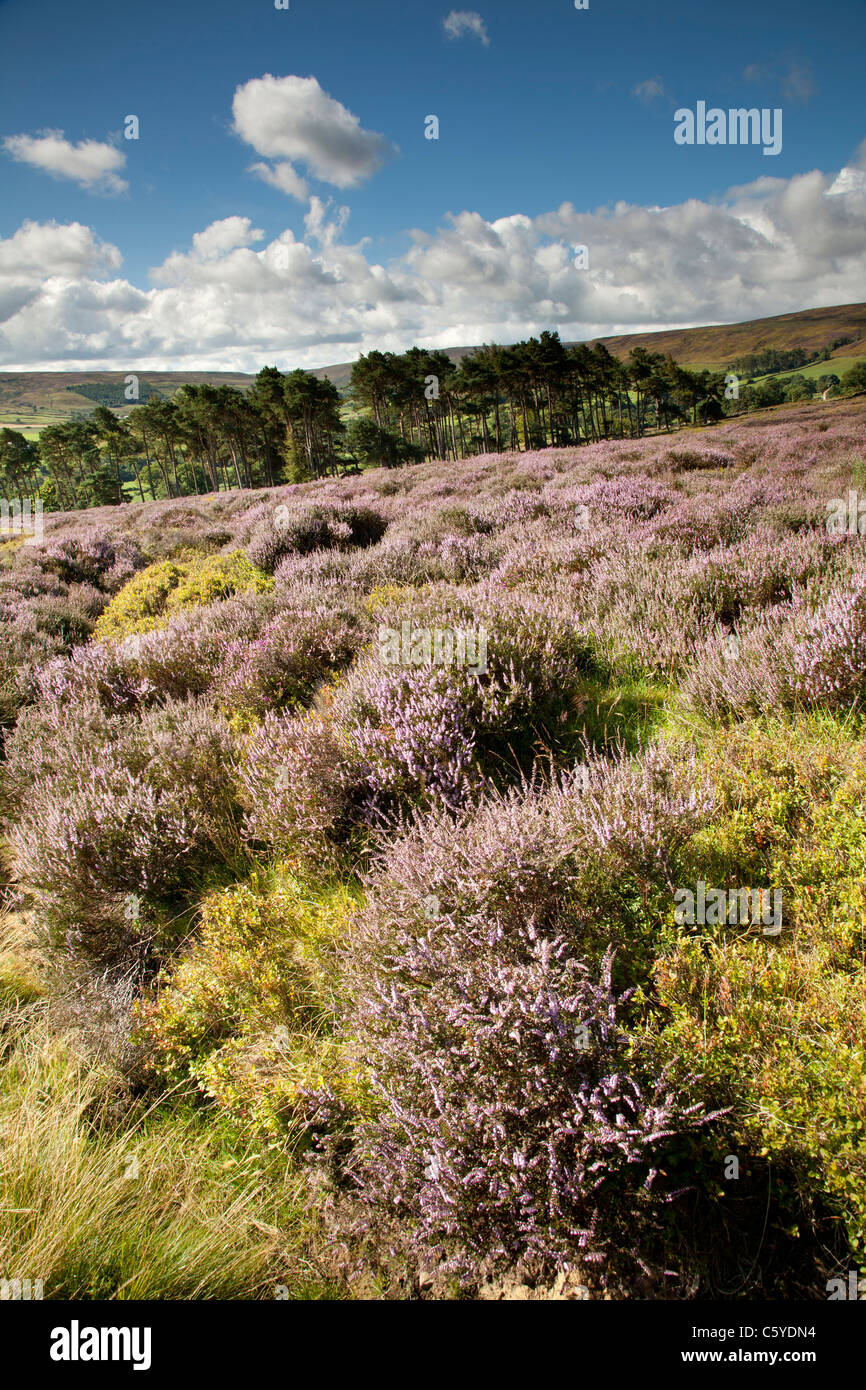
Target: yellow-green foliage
(384, 595)
(777, 1026)
(151, 598)
(218, 577)
(247, 1012)
(140, 605)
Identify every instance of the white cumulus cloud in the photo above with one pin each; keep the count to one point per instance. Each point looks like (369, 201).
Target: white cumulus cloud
(225, 235)
(293, 120)
(283, 176)
(91, 163)
(234, 300)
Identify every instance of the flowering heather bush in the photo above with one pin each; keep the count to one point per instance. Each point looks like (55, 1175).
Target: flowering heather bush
(429, 732)
(50, 739)
(47, 608)
(407, 559)
(640, 813)
(25, 648)
(323, 569)
(702, 522)
(416, 731)
(245, 654)
(748, 671)
(312, 527)
(548, 563)
(635, 496)
(730, 580)
(685, 460)
(183, 658)
(458, 521)
(122, 809)
(101, 671)
(641, 605)
(285, 664)
(548, 851)
(802, 655)
(502, 1137)
(295, 781)
(513, 1122)
(520, 504)
(93, 557)
(391, 736)
(830, 657)
(658, 612)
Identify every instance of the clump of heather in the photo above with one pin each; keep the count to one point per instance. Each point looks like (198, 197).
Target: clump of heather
(248, 655)
(93, 557)
(829, 658)
(115, 811)
(416, 731)
(25, 648)
(322, 569)
(512, 1126)
(543, 849)
(808, 654)
(427, 731)
(641, 812)
(686, 460)
(415, 560)
(513, 1120)
(296, 785)
(282, 667)
(701, 522)
(285, 531)
(402, 734)
(518, 504)
(51, 598)
(607, 499)
(731, 580)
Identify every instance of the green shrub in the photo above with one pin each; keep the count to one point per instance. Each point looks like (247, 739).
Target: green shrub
(776, 1025)
(246, 1012)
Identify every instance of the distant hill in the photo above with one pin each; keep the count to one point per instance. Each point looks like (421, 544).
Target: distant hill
(31, 400)
(55, 391)
(720, 345)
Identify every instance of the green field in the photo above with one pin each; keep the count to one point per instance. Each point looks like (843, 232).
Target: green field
(837, 366)
(30, 423)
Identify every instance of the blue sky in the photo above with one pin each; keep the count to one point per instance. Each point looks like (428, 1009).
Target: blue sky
(540, 105)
